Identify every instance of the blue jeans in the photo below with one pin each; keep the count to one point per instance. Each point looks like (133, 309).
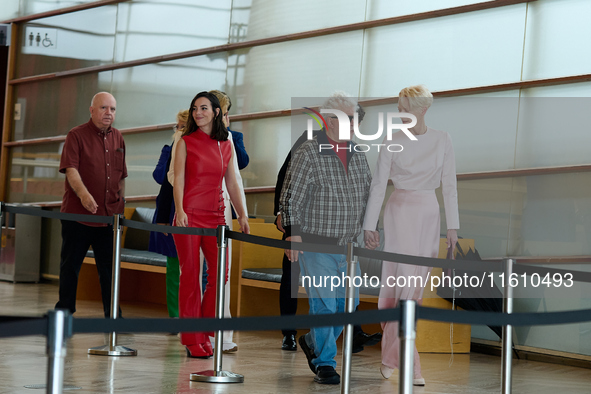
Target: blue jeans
(324, 300)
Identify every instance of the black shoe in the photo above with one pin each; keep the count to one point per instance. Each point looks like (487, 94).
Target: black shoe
(327, 375)
(362, 339)
(308, 352)
(289, 343)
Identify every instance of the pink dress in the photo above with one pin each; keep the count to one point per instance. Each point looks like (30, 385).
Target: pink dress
(411, 217)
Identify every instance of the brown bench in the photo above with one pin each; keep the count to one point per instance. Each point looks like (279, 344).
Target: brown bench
(143, 273)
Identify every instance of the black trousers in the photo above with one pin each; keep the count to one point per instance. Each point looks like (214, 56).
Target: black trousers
(76, 239)
(288, 305)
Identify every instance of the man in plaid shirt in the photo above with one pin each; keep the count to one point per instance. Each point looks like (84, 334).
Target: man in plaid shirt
(323, 201)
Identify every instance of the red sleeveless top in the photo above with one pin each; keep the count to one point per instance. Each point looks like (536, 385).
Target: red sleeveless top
(207, 161)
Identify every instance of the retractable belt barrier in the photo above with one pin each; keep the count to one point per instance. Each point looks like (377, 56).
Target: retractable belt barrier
(58, 325)
(13, 326)
(465, 265)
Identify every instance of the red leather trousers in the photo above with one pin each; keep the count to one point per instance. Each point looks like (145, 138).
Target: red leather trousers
(190, 301)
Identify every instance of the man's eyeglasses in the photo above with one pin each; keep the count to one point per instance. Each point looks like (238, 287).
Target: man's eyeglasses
(176, 127)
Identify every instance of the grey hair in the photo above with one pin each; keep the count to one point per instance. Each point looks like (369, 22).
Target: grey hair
(339, 100)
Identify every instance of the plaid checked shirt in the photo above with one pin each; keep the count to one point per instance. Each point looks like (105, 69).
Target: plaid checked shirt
(319, 197)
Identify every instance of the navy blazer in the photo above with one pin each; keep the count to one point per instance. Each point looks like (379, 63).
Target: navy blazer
(241, 154)
(165, 209)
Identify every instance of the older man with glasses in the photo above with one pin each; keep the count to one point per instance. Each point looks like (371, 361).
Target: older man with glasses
(323, 201)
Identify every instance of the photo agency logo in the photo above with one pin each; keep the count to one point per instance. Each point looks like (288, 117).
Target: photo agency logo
(345, 134)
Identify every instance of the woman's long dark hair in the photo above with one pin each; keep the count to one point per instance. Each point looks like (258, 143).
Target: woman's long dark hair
(218, 131)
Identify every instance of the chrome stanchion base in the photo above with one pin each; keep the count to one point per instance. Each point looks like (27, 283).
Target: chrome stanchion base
(212, 376)
(108, 350)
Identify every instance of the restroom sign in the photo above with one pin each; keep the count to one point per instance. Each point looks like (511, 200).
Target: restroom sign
(39, 39)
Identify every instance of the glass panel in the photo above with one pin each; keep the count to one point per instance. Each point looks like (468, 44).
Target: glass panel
(485, 209)
(267, 77)
(142, 154)
(379, 9)
(54, 107)
(580, 89)
(270, 18)
(553, 132)
(260, 205)
(542, 215)
(267, 142)
(66, 42)
(34, 175)
(159, 27)
(152, 94)
(239, 20)
(16, 8)
(557, 31)
(573, 338)
(553, 217)
(37, 6)
(482, 129)
(9, 10)
(444, 53)
(156, 91)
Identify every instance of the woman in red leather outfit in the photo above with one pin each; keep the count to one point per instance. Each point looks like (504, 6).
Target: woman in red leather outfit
(202, 159)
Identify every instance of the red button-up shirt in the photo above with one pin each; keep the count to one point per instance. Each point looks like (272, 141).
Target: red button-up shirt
(100, 159)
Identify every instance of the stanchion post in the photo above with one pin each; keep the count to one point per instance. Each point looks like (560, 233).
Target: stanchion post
(349, 308)
(59, 329)
(507, 355)
(217, 375)
(407, 334)
(112, 349)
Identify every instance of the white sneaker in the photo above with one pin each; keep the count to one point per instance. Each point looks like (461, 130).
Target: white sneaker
(227, 347)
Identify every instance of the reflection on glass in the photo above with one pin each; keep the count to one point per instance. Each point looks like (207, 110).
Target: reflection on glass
(142, 153)
(541, 215)
(34, 175)
(555, 31)
(260, 205)
(65, 42)
(380, 9)
(17, 8)
(53, 107)
(422, 52)
(267, 142)
(278, 17)
(9, 10)
(555, 216)
(267, 77)
(152, 94)
(153, 28)
(30, 7)
(573, 338)
(553, 131)
(34, 172)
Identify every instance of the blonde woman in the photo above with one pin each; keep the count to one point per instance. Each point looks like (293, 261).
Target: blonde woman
(160, 242)
(411, 217)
